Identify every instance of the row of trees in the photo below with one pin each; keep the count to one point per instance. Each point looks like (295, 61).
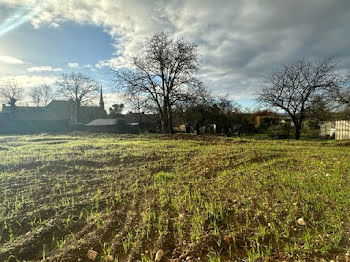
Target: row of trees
(11, 93)
(164, 75)
(163, 78)
(75, 86)
(306, 88)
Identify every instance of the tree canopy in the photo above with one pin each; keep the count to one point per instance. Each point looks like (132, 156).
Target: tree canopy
(293, 87)
(164, 72)
(79, 88)
(11, 92)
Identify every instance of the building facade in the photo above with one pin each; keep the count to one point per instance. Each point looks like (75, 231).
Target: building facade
(57, 116)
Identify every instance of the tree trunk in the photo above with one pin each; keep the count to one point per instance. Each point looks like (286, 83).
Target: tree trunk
(77, 111)
(170, 120)
(297, 133)
(188, 128)
(164, 124)
(297, 127)
(165, 117)
(198, 130)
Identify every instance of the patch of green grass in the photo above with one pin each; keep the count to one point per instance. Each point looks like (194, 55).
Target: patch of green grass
(126, 196)
(164, 176)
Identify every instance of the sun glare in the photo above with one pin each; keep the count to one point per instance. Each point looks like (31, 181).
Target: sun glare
(21, 15)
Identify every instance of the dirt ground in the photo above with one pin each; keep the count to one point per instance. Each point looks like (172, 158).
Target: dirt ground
(123, 198)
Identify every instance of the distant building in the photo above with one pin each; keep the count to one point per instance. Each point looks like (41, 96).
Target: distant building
(57, 116)
(112, 126)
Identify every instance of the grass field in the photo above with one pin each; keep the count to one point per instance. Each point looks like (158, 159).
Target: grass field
(197, 199)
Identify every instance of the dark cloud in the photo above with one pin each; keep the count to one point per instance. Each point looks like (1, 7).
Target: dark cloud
(239, 41)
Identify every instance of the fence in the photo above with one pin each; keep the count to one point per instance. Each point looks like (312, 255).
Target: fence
(342, 130)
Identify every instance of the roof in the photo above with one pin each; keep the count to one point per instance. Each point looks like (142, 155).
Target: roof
(57, 103)
(55, 110)
(102, 122)
(36, 113)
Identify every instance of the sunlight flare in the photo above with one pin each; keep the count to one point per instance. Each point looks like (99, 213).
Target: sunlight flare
(22, 15)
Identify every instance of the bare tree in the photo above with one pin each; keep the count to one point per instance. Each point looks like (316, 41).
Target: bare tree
(137, 103)
(11, 92)
(196, 111)
(164, 73)
(341, 92)
(115, 110)
(322, 108)
(293, 88)
(223, 110)
(41, 95)
(79, 88)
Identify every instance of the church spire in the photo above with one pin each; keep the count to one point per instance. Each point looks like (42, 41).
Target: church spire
(102, 104)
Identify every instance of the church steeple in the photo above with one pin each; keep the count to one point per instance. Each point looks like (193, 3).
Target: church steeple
(102, 104)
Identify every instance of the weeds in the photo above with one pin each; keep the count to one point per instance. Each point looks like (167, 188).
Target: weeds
(236, 198)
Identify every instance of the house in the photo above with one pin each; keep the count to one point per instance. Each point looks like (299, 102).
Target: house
(57, 116)
(22, 119)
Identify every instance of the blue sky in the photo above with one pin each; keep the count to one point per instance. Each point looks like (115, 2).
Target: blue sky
(57, 47)
(71, 43)
(239, 41)
(86, 44)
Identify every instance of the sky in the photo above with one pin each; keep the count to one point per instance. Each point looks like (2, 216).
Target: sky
(239, 41)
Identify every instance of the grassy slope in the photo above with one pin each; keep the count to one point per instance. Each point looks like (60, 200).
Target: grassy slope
(218, 199)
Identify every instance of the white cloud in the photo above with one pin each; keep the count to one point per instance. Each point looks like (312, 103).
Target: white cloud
(92, 69)
(54, 25)
(10, 60)
(44, 69)
(239, 41)
(29, 81)
(73, 65)
(102, 63)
